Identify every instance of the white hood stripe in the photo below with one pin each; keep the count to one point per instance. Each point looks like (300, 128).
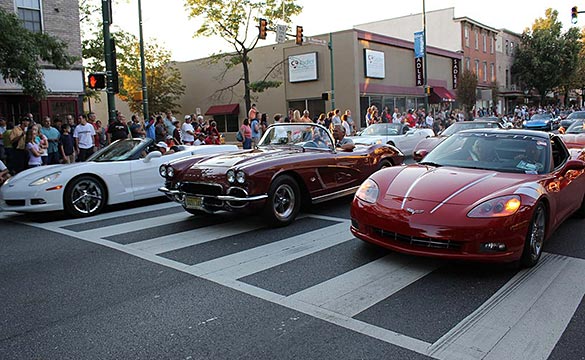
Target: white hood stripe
(413, 185)
(462, 190)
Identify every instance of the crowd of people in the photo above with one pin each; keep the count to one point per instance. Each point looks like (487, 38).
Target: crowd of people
(28, 143)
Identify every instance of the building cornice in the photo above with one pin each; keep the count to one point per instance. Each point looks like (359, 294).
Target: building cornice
(387, 40)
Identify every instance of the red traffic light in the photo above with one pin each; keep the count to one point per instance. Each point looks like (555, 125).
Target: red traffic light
(96, 81)
(263, 29)
(299, 36)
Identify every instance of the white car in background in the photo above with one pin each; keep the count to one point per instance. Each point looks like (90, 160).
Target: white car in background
(125, 171)
(401, 136)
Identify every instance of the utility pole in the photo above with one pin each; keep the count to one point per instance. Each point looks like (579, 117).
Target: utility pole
(142, 66)
(107, 19)
(330, 45)
(425, 59)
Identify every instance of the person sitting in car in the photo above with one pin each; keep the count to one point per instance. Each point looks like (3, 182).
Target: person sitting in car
(341, 142)
(164, 148)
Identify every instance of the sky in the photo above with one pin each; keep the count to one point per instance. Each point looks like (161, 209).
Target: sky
(167, 20)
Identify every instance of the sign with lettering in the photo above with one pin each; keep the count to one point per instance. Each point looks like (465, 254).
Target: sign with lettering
(419, 71)
(374, 64)
(302, 67)
(455, 72)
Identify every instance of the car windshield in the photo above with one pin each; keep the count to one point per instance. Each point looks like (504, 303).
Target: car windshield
(578, 127)
(120, 150)
(540, 117)
(301, 134)
(382, 130)
(511, 153)
(577, 115)
(467, 125)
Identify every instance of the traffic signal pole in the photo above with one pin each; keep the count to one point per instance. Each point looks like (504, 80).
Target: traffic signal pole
(107, 20)
(143, 67)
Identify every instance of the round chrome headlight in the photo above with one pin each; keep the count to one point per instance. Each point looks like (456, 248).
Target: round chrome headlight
(162, 170)
(240, 177)
(231, 176)
(170, 172)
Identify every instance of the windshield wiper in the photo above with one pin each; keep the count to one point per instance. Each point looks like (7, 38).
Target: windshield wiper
(430, 163)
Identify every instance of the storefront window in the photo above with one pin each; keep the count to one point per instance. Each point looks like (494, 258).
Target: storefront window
(410, 103)
(400, 104)
(60, 109)
(226, 123)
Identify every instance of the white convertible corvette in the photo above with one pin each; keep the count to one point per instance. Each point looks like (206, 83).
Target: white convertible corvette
(401, 136)
(126, 170)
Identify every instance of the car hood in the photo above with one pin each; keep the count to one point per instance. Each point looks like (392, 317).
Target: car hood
(538, 121)
(38, 172)
(448, 185)
(249, 158)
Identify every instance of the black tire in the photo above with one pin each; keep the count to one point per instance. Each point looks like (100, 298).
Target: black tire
(195, 211)
(535, 237)
(385, 164)
(391, 143)
(84, 196)
(284, 201)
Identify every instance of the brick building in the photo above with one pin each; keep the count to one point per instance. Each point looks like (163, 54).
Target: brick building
(59, 18)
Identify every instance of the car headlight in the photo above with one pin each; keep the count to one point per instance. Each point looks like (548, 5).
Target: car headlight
(368, 191)
(170, 172)
(524, 122)
(45, 179)
(498, 207)
(378, 142)
(231, 176)
(240, 177)
(162, 170)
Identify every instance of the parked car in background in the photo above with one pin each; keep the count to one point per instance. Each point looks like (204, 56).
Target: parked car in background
(426, 145)
(546, 122)
(293, 165)
(487, 195)
(504, 123)
(576, 115)
(124, 171)
(402, 136)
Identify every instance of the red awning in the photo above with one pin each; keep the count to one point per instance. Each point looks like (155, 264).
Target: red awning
(440, 94)
(229, 109)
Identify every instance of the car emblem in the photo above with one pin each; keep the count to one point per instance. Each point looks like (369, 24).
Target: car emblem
(413, 212)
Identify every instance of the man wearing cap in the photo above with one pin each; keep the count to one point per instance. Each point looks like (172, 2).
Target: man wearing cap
(18, 145)
(164, 148)
(187, 131)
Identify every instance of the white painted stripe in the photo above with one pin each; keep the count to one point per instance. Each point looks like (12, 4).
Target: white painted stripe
(480, 332)
(328, 218)
(114, 215)
(260, 258)
(537, 333)
(131, 226)
(198, 236)
(355, 291)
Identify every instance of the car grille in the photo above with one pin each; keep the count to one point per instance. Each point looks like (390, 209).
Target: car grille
(15, 202)
(201, 189)
(419, 241)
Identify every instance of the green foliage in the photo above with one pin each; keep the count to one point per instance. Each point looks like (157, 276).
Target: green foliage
(547, 58)
(466, 86)
(235, 21)
(20, 53)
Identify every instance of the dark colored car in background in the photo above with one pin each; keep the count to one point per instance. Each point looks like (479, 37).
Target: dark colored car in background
(294, 164)
(565, 123)
(426, 145)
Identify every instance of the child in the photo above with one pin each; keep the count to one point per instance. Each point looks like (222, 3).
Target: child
(66, 145)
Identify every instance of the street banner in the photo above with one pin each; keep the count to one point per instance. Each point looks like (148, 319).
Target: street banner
(418, 66)
(281, 33)
(455, 72)
(419, 46)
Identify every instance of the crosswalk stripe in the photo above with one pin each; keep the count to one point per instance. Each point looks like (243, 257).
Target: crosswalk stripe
(357, 290)
(199, 236)
(130, 226)
(481, 331)
(254, 260)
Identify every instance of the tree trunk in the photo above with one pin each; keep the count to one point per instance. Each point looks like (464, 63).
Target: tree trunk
(247, 98)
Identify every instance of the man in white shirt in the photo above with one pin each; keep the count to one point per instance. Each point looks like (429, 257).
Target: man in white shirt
(429, 121)
(187, 131)
(84, 135)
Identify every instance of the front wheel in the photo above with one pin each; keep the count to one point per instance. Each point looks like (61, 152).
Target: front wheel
(84, 196)
(284, 201)
(534, 238)
(385, 164)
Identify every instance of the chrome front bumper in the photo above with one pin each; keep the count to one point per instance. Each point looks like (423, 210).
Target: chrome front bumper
(177, 194)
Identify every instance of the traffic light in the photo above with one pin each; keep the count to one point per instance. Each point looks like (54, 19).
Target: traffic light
(96, 81)
(574, 13)
(428, 90)
(326, 96)
(262, 28)
(299, 36)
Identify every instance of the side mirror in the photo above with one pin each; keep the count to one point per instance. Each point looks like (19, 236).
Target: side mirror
(575, 164)
(420, 154)
(151, 155)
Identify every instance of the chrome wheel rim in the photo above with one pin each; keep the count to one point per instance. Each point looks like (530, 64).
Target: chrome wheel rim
(537, 232)
(284, 202)
(86, 196)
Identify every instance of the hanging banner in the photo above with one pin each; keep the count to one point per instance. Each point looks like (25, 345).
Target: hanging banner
(418, 67)
(455, 72)
(419, 46)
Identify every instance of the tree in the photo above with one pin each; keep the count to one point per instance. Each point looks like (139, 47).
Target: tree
(21, 51)
(232, 20)
(465, 92)
(547, 58)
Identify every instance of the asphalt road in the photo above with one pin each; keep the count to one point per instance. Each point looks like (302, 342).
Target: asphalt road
(151, 281)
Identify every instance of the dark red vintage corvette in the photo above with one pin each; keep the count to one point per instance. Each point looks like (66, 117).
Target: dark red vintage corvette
(483, 195)
(293, 165)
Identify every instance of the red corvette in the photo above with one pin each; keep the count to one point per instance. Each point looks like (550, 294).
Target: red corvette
(482, 195)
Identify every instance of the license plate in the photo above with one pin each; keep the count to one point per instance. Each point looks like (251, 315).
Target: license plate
(194, 202)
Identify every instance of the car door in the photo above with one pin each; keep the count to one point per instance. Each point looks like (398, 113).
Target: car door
(145, 177)
(567, 184)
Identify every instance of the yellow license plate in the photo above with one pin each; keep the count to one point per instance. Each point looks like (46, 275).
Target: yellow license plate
(194, 202)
